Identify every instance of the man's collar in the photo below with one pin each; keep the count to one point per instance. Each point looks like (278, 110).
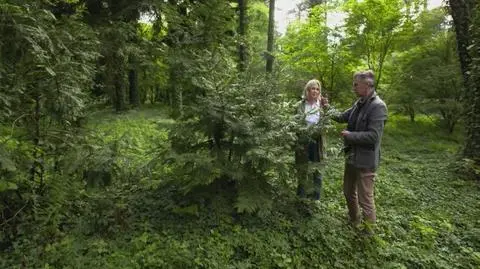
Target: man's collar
(372, 95)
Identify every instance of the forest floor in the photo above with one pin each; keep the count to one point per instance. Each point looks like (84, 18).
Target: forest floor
(428, 217)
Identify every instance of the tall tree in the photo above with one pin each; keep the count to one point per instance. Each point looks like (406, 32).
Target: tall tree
(242, 22)
(48, 63)
(195, 28)
(312, 49)
(123, 15)
(427, 79)
(133, 83)
(461, 11)
(420, 62)
(466, 19)
(271, 35)
(373, 26)
(256, 37)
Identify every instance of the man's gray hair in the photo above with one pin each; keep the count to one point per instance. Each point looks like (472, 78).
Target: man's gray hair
(365, 76)
(310, 84)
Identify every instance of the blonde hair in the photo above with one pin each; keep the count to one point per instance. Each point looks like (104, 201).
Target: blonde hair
(310, 84)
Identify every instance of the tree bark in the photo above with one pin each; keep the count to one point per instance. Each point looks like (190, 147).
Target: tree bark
(119, 93)
(461, 11)
(472, 103)
(271, 32)
(467, 22)
(134, 94)
(242, 47)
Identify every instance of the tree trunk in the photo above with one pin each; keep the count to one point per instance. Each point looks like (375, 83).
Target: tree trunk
(242, 47)
(119, 92)
(468, 43)
(160, 95)
(472, 142)
(411, 113)
(37, 168)
(271, 32)
(461, 11)
(180, 100)
(133, 87)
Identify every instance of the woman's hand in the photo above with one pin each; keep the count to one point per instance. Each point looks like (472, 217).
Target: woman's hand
(323, 101)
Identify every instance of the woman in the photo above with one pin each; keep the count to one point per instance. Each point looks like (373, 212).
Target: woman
(310, 142)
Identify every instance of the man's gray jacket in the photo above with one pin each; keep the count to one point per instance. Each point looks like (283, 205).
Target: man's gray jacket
(366, 121)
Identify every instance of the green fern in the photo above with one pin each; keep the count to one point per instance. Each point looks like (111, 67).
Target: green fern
(254, 194)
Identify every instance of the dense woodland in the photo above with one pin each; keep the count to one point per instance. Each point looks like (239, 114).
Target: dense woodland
(159, 134)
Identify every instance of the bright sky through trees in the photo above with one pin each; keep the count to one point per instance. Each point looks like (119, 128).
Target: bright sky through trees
(285, 13)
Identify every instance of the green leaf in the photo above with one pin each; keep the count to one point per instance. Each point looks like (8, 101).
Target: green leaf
(7, 164)
(6, 186)
(50, 71)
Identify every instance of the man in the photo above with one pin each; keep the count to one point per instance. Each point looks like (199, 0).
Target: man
(366, 120)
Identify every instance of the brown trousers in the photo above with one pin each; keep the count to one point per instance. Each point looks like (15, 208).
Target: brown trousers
(358, 188)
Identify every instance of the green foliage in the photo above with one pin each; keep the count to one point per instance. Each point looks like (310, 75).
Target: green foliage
(374, 37)
(314, 50)
(117, 146)
(256, 36)
(47, 65)
(152, 67)
(425, 217)
(140, 190)
(47, 57)
(115, 52)
(193, 27)
(240, 140)
(426, 77)
(230, 137)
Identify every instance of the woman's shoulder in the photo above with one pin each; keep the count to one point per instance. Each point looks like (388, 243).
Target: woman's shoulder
(300, 103)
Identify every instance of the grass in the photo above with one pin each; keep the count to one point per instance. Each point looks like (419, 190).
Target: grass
(427, 215)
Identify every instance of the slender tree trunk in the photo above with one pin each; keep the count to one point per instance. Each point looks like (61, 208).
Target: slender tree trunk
(37, 168)
(411, 113)
(180, 100)
(119, 93)
(159, 95)
(242, 47)
(271, 32)
(133, 87)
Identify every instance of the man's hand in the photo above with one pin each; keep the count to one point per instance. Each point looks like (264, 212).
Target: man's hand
(345, 133)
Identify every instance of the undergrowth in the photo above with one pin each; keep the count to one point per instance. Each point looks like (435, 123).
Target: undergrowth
(427, 215)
